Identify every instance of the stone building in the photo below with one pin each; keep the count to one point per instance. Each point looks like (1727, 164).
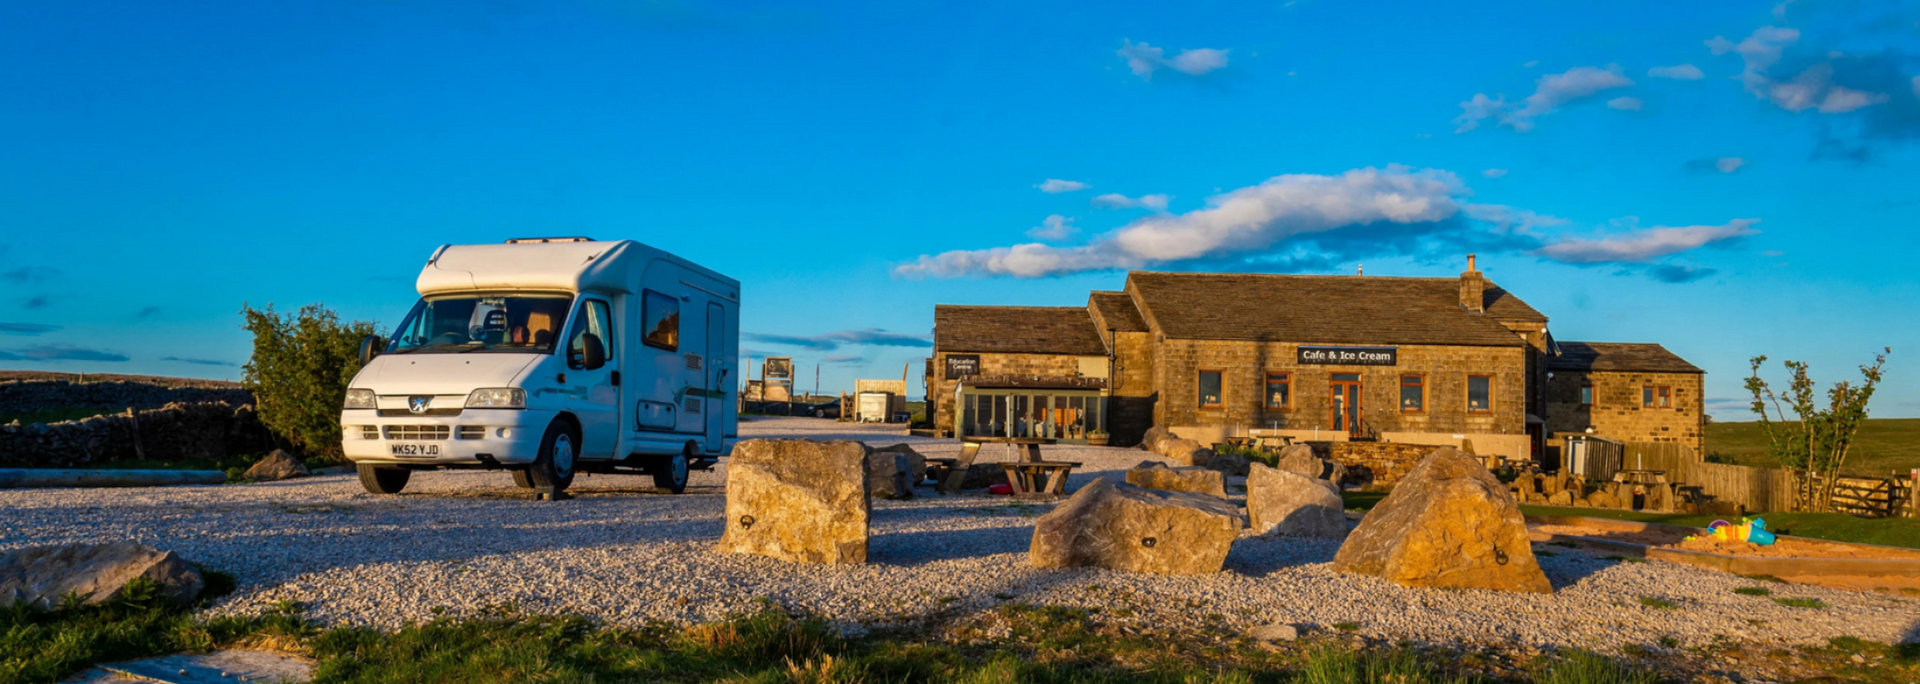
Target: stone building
(1626, 392)
(1322, 358)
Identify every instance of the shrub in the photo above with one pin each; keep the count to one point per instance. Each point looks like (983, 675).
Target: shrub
(299, 372)
(1800, 602)
(1752, 591)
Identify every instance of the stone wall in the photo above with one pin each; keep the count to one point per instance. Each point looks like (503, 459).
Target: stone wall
(28, 396)
(1617, 413)
(1025, 365)
(205, 431)
(1246, 363)
(1385, 462)
(1131, 411)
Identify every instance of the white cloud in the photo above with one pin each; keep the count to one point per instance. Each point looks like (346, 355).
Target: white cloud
(1551, 91)
(1494, 173)
(1644, 245)
(1916, 86)
(1531, 63)
(1729, 164)
(1055, 186)
(1629, 104)
(1053, 229)
(1758, 52)
(1143, 59)
(1840, 100)
(1683, 72)
(1244, 221)
(1114, 200)
(1511, 219)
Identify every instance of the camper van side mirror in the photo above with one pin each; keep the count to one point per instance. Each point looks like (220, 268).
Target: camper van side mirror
(593, 353)
(371, 346)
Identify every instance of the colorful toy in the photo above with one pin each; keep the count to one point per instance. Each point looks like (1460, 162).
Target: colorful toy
(1753, 531)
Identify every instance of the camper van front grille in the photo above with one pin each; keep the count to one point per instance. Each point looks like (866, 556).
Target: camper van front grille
(473, 432)
(369, 432)
(417, 433)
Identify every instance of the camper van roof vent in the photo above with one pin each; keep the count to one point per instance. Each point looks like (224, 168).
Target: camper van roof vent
(535, 241)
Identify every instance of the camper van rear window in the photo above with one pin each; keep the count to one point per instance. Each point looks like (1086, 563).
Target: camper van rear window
(662, 316)
(522, 323)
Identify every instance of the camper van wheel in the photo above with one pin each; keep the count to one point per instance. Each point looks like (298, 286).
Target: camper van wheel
(383, 480)
(554, 466)
(671, 472)
(521, 479)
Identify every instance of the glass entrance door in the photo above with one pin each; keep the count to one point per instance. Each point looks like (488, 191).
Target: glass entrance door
(1345, 402)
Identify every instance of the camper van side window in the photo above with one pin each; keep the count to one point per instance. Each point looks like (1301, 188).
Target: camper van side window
(662, 316)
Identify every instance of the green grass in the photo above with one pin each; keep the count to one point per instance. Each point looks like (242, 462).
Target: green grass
(1581, 667)
(1884, 446)
(1753, 591)
(1658, 603)
(1800, 602)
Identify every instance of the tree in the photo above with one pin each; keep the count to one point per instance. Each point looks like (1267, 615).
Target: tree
(1817, 445)
(298, 374)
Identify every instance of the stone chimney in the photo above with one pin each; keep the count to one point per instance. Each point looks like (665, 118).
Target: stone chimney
(1473, 289)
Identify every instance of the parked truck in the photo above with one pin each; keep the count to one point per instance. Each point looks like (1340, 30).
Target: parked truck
(547, 357)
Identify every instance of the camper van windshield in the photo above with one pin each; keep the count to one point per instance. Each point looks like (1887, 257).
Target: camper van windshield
(492, 323)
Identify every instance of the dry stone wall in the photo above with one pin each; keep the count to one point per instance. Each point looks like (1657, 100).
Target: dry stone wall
(28, 396)
(205, 431)
(1617, 412)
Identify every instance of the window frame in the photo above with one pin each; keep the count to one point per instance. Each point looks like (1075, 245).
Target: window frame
(1199, 394)
(646, 319)
(1469, 397)
(1420, 380)
(582, 323)
(1586, 395)
(1286, 378)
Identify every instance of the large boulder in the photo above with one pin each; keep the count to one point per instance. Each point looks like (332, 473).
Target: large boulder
(1122, 527)
(1300, 458)
(914, 459)
(1229, 463)
(798, 500)
(888, 474)
(44, 575)
(1153, 437)
(278, 465)
(1156, 475)
(1450, 524)
(1186, 452)
(1288, 503)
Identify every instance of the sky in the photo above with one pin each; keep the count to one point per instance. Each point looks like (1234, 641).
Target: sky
(1729, 179)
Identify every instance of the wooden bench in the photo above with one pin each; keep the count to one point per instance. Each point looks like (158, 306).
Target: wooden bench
(956, 472)
(1039, 479)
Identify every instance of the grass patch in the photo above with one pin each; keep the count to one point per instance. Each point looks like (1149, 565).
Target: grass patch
(1347, 626)
(1657, 603)
(47, 645)
(1884, 445)
(1582, 667)
(1800, 602)
(1902, 532)
(1753, 591)
(1623, 559)
(1362, 500)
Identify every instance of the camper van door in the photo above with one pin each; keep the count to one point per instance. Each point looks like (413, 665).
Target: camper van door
(590, 391)
(716, 377)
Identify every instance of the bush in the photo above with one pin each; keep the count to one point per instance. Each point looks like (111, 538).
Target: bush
(299, 372)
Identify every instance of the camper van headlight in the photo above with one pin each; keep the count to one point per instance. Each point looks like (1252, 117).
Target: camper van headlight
(498, 397)
(360, 399)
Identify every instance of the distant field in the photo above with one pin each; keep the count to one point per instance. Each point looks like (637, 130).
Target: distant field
(1885, 445)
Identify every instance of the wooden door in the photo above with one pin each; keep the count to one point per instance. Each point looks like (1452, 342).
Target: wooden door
(1344, 402)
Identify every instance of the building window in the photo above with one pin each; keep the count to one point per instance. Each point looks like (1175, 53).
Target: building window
(1479, 394)
(1279, 390)
(1586, 395)
(1413, 393)
(1656, 397)
(661, 312)
(1210, 389)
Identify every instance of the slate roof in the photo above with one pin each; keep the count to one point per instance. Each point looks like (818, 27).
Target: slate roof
(1621, 357)
(1325, 309)
(1118, 311)
(1016, 329)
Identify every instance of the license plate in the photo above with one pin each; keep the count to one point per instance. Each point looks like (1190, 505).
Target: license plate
(416, 449)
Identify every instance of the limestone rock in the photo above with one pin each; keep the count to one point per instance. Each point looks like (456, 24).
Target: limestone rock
(43, 575)
(917, 461)
(798, 500)
(1450, 524)
(1561, 498)
(1275, 632)
(278, 465)
(1154, 436)
(1300, 458)
(1186, 452)
(1122, 527)
(888, 474)
(1288, 503)
(1600, 498)
(1229, 463)
(1156, 475)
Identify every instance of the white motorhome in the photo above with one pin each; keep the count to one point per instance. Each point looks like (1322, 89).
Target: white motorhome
(547, 357)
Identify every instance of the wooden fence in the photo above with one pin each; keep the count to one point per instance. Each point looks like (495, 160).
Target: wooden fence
(1759, 489)
(1872, 497)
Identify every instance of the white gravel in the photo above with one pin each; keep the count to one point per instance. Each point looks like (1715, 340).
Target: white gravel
(460, 543)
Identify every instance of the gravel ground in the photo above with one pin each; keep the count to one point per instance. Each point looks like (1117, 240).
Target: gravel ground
(461, 543)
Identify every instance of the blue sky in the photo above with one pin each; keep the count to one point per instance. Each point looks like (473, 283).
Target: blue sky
(1728, 179)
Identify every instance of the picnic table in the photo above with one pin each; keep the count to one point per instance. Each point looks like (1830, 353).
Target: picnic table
(1640, 476)
(1026, 473)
